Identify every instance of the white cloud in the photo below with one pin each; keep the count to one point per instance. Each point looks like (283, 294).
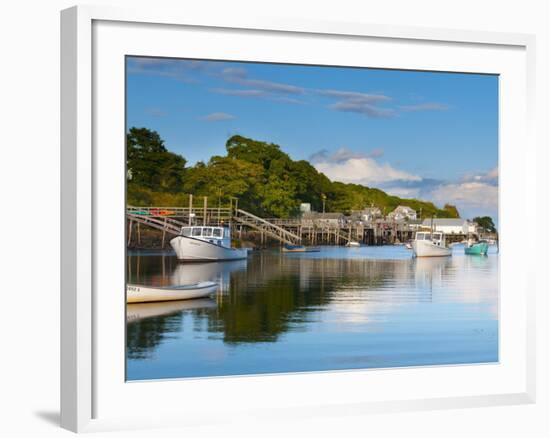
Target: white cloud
(217, 117)
(178, 69)
(355, 96)
(240, 93)
(240, 76)
(358, 102)
(475, 194)
(469, 195)
(490, 177)
(360, 107)
(351, 167)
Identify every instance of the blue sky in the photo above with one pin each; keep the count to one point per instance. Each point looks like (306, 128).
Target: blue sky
(428, 135)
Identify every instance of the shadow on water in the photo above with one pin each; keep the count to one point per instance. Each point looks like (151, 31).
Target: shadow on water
(270, 294)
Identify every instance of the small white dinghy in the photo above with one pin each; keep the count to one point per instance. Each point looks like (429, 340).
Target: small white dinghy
(147, 294)
(353, 244)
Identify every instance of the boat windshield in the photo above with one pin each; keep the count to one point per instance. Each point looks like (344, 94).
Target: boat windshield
(423, 236)
(206, 232)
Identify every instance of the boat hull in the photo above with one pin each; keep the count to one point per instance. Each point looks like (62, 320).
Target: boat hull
(477, 249)
(300, 248)
(425, 248)
(148, 294)
(194, 250)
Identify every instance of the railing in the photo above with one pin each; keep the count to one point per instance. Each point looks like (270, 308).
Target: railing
(275, 231)
(223, 212)
(166, 224)
(162, 218)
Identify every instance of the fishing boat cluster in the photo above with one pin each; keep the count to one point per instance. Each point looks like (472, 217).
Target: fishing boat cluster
(213, 244)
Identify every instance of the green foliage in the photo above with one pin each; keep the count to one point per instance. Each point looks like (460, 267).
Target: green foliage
(486, 222)
(150, 164)
(265, 179)
(452, 210)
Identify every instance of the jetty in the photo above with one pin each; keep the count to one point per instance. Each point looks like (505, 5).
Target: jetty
(312, 229)
(170, 220)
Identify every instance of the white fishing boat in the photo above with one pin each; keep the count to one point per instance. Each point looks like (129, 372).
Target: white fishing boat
(206, 244)
(430, 244)
(136, 293)
(353, 244)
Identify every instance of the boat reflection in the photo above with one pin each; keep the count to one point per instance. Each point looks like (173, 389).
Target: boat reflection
(219, 272)
(137, 312)
(429, 272)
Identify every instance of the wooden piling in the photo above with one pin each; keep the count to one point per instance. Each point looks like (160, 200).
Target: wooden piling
(190, 209)
(130, 231)
(164, 233)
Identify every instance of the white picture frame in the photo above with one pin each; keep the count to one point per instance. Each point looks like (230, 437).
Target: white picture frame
(94, 397)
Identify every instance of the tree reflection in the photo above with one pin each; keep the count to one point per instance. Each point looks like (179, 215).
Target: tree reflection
(273, 295)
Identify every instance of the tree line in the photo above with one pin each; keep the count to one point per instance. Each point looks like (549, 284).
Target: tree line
(266, 181)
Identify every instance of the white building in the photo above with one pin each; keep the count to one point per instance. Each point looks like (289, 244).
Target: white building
(451, 226)
(402, 212)
(366, 215)
(305, 207)
(371, 213)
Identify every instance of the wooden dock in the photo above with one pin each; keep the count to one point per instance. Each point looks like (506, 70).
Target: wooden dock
(264, 231)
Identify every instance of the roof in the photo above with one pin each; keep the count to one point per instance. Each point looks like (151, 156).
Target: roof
(445, 221)
(404, 207)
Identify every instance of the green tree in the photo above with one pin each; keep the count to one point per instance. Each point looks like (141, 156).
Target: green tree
(150, 165)
(486, 222)
(265, 179)
(452, 210)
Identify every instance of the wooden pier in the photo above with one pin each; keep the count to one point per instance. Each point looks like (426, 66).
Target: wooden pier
(261, 231)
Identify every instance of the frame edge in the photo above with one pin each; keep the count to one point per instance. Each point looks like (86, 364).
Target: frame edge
(75, 273)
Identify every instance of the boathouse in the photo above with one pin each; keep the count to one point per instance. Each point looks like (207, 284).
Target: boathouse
(451, 226)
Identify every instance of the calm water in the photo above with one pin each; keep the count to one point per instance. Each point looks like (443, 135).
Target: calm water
(342, 308)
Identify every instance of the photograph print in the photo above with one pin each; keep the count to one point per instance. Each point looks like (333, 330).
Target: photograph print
(286, 218)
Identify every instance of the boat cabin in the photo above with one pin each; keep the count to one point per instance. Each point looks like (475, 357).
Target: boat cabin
(217, 235)
(437, 238)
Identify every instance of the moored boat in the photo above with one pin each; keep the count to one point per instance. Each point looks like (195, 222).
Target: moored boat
(476, 248)
(206, 244)
(136, 293)
(430, 244)
(300, 248)
(353, 244)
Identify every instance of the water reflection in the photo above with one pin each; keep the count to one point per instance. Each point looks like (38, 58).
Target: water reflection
(276, 299)
(219, 272)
